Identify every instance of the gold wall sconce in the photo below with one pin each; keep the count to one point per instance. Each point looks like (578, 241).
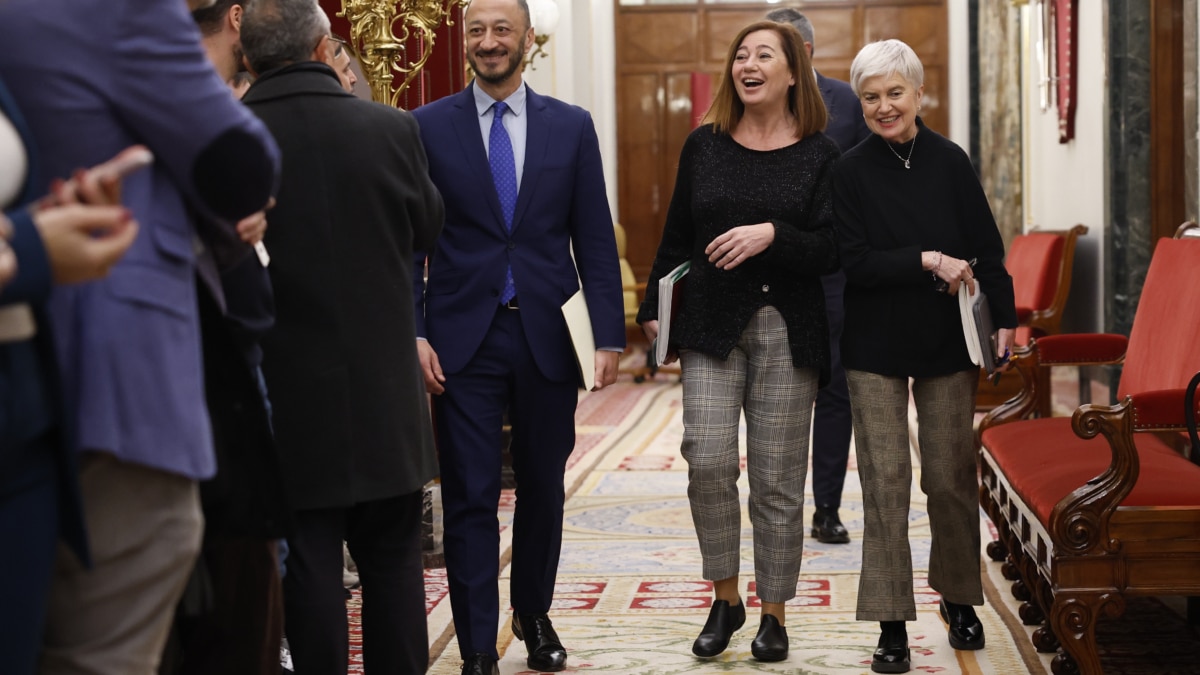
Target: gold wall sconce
(382, 45)
(544, 15)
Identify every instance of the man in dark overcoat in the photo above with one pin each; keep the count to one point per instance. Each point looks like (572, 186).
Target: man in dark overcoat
(350, 414)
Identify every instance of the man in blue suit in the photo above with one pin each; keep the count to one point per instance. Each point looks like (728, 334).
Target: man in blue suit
(831, 417)
(39, 494)
(523, 183)
(95, 76)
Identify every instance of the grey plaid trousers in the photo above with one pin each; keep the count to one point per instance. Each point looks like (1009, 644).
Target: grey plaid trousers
(758, 378)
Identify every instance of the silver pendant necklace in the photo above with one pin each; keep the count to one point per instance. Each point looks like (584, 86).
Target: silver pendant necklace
(907, 164)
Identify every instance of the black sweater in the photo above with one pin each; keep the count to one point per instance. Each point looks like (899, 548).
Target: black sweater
(896, 323)
(721, 185)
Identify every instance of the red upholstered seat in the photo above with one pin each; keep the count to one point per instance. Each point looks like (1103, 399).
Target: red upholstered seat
(1044, 461)
(1034, 261)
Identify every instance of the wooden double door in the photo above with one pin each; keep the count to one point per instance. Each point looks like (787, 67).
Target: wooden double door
(659, 46)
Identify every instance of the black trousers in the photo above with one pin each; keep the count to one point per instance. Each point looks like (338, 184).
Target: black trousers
(831, 418)
(384, 538)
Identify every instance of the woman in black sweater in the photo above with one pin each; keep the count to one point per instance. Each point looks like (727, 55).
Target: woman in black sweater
(910, 222)
(752, 212)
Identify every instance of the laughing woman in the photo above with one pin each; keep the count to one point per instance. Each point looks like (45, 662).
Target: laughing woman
(908, 222)
(752, 212)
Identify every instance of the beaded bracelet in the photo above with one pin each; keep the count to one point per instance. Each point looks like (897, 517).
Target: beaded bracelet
(933, 272)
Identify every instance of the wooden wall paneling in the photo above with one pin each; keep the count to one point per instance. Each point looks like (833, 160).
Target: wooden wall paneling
(836, 33)
(934, 104)
(1167, 189)
(922, 27)
(721, 27)
(640, 147)
(678, 125)
(658, 38)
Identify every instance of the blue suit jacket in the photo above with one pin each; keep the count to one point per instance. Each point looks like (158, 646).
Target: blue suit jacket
(846, 125)
(561, 207)
(94, 76)
(28, 407)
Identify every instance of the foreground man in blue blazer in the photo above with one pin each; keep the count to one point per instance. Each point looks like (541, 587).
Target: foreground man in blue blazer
(93, 77)
(522, 192)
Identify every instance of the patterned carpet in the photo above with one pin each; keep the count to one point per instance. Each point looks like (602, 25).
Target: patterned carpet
(629, 598)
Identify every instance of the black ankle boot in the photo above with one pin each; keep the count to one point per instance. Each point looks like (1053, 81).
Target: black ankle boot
(891, 654)
(723, 620)
(965, 631)
(771, 643)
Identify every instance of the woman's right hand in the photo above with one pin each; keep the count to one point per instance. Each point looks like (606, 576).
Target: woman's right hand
(953, 271)
(650, 328)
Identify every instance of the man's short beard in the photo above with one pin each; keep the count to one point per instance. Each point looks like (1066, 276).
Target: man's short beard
(514, 63)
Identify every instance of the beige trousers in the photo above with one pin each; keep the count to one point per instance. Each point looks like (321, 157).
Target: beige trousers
(145, 528)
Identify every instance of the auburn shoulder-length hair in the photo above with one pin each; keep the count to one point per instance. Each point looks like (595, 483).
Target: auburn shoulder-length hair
(804, 98)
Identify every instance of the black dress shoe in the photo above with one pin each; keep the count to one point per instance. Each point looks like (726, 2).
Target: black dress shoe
(827, 528)
(771, 643)
(891, 654)
(723, 620)
(965, 631)
(546, 653)
(480, 664)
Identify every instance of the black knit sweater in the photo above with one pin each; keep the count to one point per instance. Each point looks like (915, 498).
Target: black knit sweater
(721, 185)
(896, 323)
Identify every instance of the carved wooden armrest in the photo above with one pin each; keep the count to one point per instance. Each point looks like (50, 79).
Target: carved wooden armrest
(1079, 523)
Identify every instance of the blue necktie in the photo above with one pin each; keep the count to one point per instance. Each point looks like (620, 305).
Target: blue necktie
(504, 174)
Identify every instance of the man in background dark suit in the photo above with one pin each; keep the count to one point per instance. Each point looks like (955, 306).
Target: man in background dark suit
(350, 412)
(831, 418)
(523, 191)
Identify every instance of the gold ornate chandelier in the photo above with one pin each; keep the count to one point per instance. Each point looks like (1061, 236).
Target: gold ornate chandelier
(380, 42)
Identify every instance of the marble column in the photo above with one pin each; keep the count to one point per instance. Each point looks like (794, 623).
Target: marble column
(999, 121)
(1127, 244)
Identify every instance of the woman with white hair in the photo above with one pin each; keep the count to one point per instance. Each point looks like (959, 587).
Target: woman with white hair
(913, 226)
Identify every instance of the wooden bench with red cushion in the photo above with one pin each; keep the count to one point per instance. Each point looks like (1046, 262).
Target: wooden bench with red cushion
(1104, 505)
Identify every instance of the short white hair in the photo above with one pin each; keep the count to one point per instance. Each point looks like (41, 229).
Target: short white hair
(886, 58)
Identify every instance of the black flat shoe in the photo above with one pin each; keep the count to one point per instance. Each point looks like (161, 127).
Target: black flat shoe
(771, 643)
(723, 620)
(480, 664)
(827, 528)
(546, 653)
(965, 631)
(891, 654)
